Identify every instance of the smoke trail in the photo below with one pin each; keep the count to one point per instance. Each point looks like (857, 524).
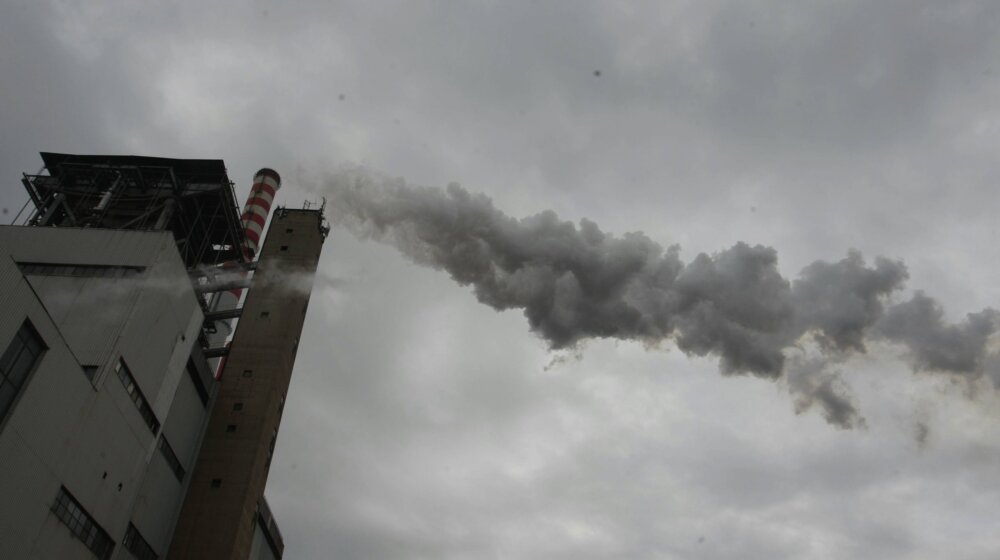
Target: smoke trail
(578, 282)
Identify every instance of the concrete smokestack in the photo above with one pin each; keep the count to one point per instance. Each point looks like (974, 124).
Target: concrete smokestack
(225, 499)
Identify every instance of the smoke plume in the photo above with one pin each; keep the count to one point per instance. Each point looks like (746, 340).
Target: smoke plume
(575, 282)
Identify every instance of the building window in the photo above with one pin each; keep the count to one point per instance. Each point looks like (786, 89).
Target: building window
(248, 373)
(216, 483)
(82, 525)
(17, 361)
(284, 247)
(289, 230)
(134, 543)
(132, 388)
(192, 371)
(231, 428)
(171, 457)
(84, 271)
(265, 314)
(238, 406)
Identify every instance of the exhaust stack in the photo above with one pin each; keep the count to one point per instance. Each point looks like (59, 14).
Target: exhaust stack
(265, 184)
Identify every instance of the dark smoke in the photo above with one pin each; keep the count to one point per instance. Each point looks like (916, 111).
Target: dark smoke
(575, 282)
(813, 382)
(935, 345)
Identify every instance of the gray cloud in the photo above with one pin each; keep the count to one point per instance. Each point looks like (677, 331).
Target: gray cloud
(425, 424)
(921, 433)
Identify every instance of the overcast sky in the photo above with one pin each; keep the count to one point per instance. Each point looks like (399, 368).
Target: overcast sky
(422, 424)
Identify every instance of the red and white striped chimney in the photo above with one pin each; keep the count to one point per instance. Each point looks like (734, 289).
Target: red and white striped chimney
(265, 184)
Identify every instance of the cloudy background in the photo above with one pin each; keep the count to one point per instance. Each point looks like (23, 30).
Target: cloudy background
(422, 424)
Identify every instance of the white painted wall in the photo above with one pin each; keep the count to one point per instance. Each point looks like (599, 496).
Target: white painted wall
(89, 437)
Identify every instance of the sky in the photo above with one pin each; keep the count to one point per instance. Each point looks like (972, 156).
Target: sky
(424, 424)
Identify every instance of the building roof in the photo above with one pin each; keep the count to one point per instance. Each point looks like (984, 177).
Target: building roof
(207, 169)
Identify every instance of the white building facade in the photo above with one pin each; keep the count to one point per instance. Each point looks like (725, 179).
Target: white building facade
(104, 392)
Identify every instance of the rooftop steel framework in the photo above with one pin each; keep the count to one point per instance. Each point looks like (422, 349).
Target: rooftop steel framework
(193, 198)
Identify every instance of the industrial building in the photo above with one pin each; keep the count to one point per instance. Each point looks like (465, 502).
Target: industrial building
(132, 424)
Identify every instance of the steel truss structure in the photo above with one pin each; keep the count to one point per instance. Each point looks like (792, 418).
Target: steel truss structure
(193, 198)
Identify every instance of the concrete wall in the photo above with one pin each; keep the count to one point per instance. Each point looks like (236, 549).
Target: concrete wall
(66, 430)
(218, 521)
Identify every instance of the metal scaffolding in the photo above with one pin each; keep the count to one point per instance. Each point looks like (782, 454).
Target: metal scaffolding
(193, 198)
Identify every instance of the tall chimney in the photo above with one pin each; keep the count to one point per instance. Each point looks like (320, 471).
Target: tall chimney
(265, 183)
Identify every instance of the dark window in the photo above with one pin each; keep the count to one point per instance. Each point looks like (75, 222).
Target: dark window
(248, 373)
(134, 543)
(216, 483)
(171, 457)
(86, 271)
(238, 406)
(137, 397)
(265, 314)
(17, 362)
(196, 379)
(289, 230)
(231, 428)
(82, 525)
(284, 247)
